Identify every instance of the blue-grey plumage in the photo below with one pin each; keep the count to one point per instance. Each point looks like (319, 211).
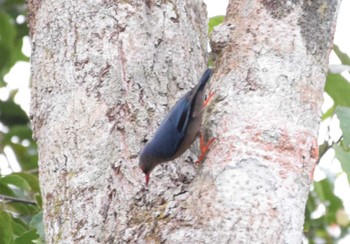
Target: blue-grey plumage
(178, 130)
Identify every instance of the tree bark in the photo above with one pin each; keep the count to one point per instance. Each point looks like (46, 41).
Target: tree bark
(271, 70)
(106, 72)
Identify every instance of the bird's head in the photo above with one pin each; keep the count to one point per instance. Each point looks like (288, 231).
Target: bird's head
(147, 162)
(146, 171)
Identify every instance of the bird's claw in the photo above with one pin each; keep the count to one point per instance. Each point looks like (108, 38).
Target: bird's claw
(204, 147)
(210, 96)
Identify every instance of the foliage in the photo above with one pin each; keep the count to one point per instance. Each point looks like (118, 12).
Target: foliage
(20, 199)
(214, 21)
(332, 224)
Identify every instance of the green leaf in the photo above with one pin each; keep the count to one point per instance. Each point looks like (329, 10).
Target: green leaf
(310, 207)
(19, 226)
(31, 179)
(39, 200)
(345, 59)
(22, 208)
(8, 33)
(7, 30)
(338, 88)
(343, 114)
(26, 156)
(6, 190)
(6, 231)
(21, 131)
(214, 21)
(322, 149)
(12, 114)
(324, 190)
(328, 113)
(28, 237)
(37, 223)
(344, 159)
(4, 61)
(15, 180)
(2, 82)
(14, 7)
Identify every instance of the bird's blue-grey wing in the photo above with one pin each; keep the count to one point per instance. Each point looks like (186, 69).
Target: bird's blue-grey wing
(171, 132)
(184, 118)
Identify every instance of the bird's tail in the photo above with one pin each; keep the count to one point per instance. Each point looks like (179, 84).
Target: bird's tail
(204, 79)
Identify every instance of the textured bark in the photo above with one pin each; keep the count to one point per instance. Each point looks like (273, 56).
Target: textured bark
(106, 72)
(271, 70)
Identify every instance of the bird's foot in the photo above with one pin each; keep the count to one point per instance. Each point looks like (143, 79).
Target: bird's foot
(208, 98)
(204, 147)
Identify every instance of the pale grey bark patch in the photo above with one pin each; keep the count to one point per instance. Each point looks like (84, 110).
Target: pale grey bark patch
(269, 92)
(104, 75)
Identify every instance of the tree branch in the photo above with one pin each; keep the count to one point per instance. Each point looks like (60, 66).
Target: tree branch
(15, 199)
(329, 146)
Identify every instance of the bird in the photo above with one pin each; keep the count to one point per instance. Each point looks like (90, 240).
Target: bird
(178, 130)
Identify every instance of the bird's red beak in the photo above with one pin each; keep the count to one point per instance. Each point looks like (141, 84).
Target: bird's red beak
(147, 179)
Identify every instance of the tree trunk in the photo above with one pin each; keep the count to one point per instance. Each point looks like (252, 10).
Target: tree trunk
(106, 72)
